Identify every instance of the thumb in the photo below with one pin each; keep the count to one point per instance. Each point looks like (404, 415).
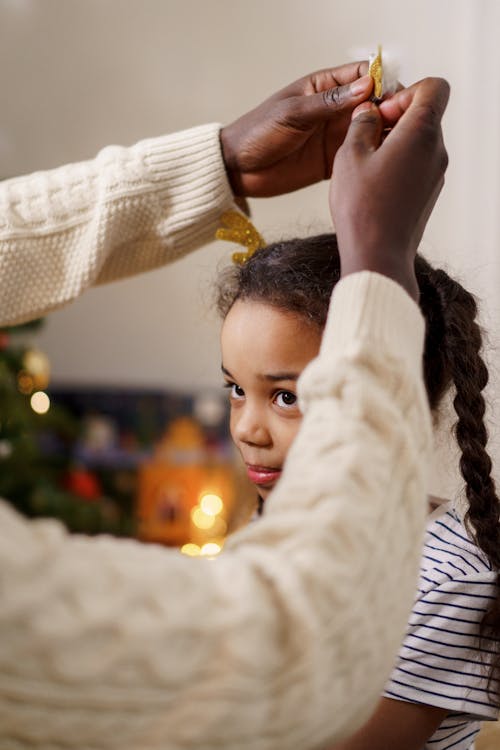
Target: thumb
(365, 131)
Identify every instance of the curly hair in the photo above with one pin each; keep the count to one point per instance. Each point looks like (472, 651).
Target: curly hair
(299, 275)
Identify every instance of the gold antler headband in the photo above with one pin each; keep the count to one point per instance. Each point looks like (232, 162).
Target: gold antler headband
(236, 227)
(376, 70)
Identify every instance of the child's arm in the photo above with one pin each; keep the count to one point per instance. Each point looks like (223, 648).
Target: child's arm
(396, 725)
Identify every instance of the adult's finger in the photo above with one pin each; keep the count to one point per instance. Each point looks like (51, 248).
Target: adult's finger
(427, 98)
(365, 130)
(303, 111)
(418, 112)
(323, 80)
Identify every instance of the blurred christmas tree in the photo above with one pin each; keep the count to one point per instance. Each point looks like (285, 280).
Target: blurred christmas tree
(37, 482)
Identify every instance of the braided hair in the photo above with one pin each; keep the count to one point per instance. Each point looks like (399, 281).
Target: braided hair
(298, 275)
(452, 357)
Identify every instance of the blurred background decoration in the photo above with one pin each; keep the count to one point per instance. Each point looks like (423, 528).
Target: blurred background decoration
(186, 490)
(41, 482)
(155, 465)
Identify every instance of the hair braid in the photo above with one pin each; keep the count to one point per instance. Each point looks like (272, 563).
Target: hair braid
(462, 345)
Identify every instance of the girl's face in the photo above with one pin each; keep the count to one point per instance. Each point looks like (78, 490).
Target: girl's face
(264, 350)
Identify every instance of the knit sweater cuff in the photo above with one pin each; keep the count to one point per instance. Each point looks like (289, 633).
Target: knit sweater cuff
(191, 167)
(370, 306)
(367, 307)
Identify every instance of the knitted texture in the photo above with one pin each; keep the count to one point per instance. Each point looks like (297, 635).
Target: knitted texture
(286, 640)
(128, 210)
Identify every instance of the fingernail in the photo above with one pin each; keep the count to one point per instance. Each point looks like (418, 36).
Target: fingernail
(362, 108)
(362, 85)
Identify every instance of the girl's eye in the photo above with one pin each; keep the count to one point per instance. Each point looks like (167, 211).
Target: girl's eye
(235, 391)
(286, 399)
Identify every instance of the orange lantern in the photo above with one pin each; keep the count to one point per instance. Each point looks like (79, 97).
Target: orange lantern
(185, 495)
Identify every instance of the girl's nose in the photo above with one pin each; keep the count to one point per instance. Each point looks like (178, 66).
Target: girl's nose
(249, 426)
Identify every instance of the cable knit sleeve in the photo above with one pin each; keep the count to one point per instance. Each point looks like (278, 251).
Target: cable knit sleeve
(128, 210)
(285, 640)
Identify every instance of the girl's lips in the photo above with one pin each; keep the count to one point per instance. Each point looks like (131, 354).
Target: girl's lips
(263, 475)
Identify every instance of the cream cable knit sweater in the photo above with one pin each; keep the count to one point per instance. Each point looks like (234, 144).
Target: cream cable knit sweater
(285, 641)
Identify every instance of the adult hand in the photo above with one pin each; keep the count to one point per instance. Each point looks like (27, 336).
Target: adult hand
(384, 189)
(289, 141)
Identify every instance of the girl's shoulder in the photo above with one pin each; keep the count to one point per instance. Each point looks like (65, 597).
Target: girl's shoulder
(450, 555)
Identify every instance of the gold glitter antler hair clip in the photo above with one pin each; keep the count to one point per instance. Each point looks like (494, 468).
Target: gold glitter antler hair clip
(376, 70)
(236, 227)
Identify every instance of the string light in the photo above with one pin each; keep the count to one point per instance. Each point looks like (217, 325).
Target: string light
(36, 364)
(40, 402)
(211, 504)
(200, 519)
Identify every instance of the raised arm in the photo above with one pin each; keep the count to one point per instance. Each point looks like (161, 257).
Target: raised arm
(133, 209)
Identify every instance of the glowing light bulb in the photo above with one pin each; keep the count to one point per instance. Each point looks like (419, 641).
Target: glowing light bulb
(211, 504)
(200, 519)
(40, 402)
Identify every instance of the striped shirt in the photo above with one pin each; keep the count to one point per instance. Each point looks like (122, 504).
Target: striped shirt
(440, 662)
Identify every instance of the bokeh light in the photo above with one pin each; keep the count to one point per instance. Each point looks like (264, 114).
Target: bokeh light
(40, 402)
(211, 504)
(25, 383)
(36, 364)
(200, 519)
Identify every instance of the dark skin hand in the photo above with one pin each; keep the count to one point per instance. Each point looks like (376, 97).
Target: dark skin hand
(384, 189)
(290, 140)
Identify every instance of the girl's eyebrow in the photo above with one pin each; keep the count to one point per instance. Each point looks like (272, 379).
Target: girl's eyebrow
(272, 377)
(275, 377)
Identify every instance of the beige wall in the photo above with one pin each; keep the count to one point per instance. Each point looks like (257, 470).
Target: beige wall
(79, 74)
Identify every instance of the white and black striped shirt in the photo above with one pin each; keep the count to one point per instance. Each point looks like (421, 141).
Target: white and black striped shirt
(441, 662)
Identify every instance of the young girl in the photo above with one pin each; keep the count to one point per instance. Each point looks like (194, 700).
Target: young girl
(274, 308)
